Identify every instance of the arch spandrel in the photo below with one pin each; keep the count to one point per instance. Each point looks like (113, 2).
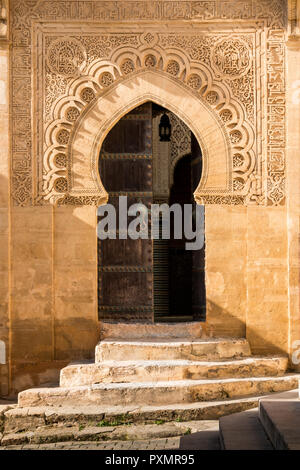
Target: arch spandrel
(109, 108)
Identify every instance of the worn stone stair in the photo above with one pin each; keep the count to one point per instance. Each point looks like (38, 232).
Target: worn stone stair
(171, 349)
(273, 425)
(280, 417)
(156, 393)
(243, 431)
(173, 374)
(169, 370)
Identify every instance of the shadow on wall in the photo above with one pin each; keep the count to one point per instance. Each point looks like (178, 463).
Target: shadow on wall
(238, 328)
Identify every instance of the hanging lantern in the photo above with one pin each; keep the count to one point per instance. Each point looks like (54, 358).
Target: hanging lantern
(165, 129)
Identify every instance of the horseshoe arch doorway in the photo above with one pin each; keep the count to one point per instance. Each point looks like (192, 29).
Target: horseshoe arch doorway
(146, 280)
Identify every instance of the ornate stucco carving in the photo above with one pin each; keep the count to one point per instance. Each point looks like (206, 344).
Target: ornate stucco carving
(226, 70)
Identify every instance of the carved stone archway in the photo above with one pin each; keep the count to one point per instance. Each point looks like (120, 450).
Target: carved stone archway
(96, 122)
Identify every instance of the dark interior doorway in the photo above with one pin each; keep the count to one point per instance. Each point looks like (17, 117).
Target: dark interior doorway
(183, 270)
(148, 280)
(183, 264)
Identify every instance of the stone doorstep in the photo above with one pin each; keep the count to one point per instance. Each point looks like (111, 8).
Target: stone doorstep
(24, 419)
(280, 417)
(170, 348)
(127, 331)
(145, 371)
(243, 431)
(104, 433)
(157, 393)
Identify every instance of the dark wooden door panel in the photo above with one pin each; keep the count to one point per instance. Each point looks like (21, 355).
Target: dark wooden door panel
(128, 289)
(127, 174)
(125, 266)
(129, 136)
(126, 253)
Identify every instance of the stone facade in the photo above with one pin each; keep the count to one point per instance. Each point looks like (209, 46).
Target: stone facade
(69, 70)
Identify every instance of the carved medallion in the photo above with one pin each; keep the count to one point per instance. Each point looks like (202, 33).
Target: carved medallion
(87, 94)
(231, 58)
(66, 57)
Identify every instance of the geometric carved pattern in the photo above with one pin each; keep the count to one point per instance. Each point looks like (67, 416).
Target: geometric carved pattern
(276, 118)
(220, 68)
(180, 142)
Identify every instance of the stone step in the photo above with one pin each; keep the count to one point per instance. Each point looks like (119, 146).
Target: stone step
(243, 431)
(101, 432)
(128, 331)
(156, 393)
(194, 435)
(189, 442)
(154, 371)
(172, 349)
(280, 417)
(29, 418)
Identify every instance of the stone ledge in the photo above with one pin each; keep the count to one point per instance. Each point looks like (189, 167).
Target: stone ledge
(172, 348)
(145, 330)
(27, 419)
(100, 433)
(150, 371)
(243, 431)
(156, 393)
(280, 417)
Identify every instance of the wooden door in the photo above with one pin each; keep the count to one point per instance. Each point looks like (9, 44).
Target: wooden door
(125, 284)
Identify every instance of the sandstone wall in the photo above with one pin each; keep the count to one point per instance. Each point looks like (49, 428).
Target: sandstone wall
(4, 213)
